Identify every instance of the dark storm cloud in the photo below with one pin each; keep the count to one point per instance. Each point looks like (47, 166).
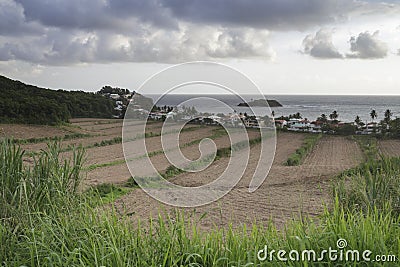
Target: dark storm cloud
(96, 14)
(268, 14)
(367, 46)
(12, 20)
(72, 31)
(66, 14)
(271, 14)
(321, 45)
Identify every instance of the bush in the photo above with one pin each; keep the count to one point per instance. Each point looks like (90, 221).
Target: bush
(131, 182)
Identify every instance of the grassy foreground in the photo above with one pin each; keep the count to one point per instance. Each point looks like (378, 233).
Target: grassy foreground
(45, 221)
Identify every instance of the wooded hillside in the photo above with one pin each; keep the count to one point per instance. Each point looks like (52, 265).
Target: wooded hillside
(22, 103)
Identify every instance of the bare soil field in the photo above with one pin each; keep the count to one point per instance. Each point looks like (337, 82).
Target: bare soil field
(102, 127)
(119, 173)
(332, 155)
(91, 121)
(389, 148)
(99, 155)
(97, 136)
(287, 191)
(85, 142)
(21, 131)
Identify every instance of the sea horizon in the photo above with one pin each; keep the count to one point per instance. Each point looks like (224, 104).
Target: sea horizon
(309, 106)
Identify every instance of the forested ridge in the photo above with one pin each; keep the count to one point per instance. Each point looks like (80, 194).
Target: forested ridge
(23, 103)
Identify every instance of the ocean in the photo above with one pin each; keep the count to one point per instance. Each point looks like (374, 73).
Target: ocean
(310, 106)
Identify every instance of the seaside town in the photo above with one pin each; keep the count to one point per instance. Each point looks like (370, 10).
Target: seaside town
(328, 124)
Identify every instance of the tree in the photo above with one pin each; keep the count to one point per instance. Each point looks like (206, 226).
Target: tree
(23, 103)
(334, 115)
(395, 128)
(358, 120)
(388, 116)
(296, 116)
(323, 118)
(347, 129)
(373, 114)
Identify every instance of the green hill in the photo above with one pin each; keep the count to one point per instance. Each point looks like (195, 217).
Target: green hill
(23, 103)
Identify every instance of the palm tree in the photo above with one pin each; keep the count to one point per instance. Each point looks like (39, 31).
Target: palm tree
(388, 116)
(334, 115)
(358, 120)
(323, 118)
(373, 114)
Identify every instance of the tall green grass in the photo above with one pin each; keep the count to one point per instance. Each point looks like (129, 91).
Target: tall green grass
(297, 157)
(45, 221)
(374, 184)
(36, 188)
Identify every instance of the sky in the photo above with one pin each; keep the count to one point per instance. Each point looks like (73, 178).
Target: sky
(285, 46)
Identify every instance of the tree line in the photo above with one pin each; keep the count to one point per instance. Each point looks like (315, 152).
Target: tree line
(387, 127)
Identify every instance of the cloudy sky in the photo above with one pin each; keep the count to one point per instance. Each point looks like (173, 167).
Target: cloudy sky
(285, 46)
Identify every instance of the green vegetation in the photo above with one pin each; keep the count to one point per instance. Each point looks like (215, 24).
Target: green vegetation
(44, 221)
(309, 142)
(107, 192)
(48, 139)
(115, 140)
(113, 90)
(22, 103)
(374, 184)
(368, 145)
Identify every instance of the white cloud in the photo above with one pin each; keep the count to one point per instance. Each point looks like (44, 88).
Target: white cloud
(62, 32)
(367, 46)
(321, 45)
(146, 45)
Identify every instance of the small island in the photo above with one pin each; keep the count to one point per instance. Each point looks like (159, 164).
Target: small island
(261, 103)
